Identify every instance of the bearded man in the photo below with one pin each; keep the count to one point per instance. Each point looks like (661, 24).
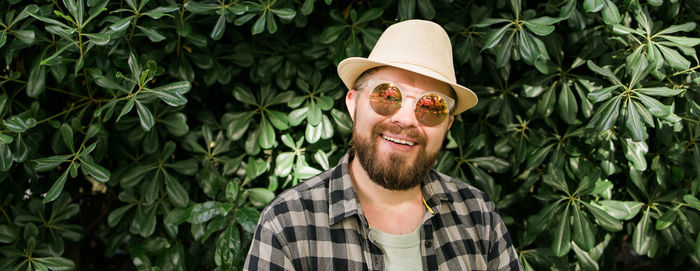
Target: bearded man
(383, 207)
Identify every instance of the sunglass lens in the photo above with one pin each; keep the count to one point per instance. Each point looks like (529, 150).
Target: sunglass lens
(431, 110)
(385, 99)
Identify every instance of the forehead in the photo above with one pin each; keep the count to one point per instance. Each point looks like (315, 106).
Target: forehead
(412, 81)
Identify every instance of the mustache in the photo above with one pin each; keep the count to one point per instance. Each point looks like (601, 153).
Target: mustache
(412, 132)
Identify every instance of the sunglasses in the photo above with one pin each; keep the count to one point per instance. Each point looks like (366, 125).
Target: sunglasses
(431, 108)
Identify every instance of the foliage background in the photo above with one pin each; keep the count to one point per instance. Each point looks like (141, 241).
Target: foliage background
(149, 134)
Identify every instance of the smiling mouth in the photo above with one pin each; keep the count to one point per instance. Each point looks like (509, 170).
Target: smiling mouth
(399, 141)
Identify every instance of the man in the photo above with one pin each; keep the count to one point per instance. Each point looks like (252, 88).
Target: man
(382, 207)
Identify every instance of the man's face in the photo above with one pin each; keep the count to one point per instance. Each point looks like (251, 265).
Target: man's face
(381, 141)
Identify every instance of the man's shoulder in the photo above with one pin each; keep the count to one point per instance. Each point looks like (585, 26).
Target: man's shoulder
(462, 194)
(456, 186)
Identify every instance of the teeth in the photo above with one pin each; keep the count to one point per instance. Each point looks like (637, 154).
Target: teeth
(399, 141)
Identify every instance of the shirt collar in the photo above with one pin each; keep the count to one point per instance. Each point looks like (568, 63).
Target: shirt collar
(343, 201)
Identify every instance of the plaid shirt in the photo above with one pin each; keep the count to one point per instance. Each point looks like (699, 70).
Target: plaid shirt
(319, 225)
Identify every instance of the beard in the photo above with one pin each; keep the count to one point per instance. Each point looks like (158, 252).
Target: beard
(396, 173)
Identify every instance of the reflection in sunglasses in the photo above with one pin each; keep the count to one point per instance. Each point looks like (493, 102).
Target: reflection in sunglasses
(430, 109)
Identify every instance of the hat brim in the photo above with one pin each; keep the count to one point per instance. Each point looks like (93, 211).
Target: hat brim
(351, 68)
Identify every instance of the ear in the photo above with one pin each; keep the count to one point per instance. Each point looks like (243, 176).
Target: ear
(452, 120)
(351, 102)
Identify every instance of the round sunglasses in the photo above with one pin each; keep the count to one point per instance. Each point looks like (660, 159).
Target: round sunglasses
(431, 108)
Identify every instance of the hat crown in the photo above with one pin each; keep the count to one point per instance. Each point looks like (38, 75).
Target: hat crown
(416, 42)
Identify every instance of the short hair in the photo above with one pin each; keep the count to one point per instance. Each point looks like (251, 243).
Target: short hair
(363, 79)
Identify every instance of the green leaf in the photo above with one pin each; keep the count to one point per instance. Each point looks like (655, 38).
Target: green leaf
(659, 91)
(266, 134)
(172, 94)
(494, 37)
(686, 27)
(176, 123)
(641, 238)
(176, 192)
(342, 120)
(259, 25)
(219, 28)
(67, 135)
(601, 94)
(284, 163)
(127, 107)
(37, 81)
(673, 58)
(284, 13)
(116, 215)
(585, 260)
(49, 163)
(203, 212)
(108, 83)
(667, 219)
(244, 95)
(529, 50)
(151, 33)
(682, 41)
(7, 234)
(607, 114)
(232, 190)
(278, 119)
(603, 219)
(604, 71)
(692, 200)
(568, 106)
(132, 176)
(538, 28)
(621, 210)
(582, 230)
(248, 218)
(99, 38)
(56, 263)
(561, 243)
(369, 15)
(611, 15)
(406, 9)
(145, 116)
(490, 21)
(57, 187)
(121, 24)
(332, 33)
(98, 172)
(426, 9)
(655, 107)
(634, 124)
(6, 139)
(635, 152)
(260, 195)
(491, 163)
(3, 37)
(19, 125)
(5, 158)
(537, 156)
(297, 116)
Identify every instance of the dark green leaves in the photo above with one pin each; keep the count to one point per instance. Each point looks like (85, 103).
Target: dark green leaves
(179, 126)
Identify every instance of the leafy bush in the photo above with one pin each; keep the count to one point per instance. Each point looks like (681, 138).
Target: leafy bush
(150, 133)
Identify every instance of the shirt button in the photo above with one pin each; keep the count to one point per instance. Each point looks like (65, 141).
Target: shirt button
(428, 244)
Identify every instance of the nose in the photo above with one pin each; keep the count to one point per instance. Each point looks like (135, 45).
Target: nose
(405, 116)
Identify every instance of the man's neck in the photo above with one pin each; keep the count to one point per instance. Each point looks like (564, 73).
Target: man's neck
(391, 211)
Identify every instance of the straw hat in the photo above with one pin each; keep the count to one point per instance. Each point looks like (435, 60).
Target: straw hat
(419, 46)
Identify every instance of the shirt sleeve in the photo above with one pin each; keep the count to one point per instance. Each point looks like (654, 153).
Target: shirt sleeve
(502, 254)
(268, 249)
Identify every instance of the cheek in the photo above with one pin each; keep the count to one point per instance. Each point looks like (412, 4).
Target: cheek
(436, 137)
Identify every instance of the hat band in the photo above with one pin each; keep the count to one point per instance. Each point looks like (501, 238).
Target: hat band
(404, 64)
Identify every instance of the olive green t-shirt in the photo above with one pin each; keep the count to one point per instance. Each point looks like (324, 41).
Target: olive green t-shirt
(401, 252)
